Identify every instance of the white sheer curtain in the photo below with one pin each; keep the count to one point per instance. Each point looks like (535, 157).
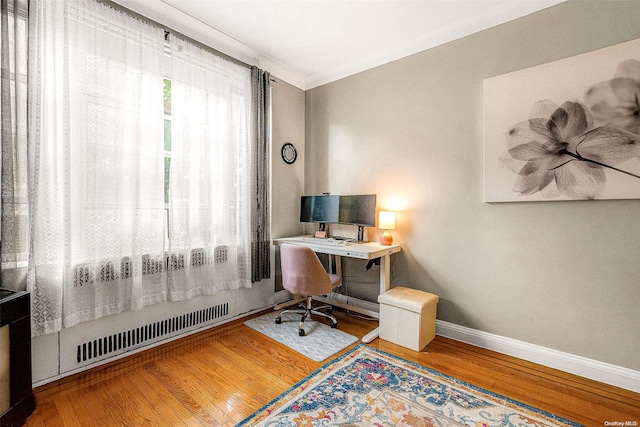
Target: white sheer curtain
(210, 190)
(96, 164)
(14, 232)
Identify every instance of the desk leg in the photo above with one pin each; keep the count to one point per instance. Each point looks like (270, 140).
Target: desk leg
(385, 284)
(385, 273)
(371, 336)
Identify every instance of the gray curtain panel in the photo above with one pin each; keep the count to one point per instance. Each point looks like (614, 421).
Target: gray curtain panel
(14, 233)
(261, 230)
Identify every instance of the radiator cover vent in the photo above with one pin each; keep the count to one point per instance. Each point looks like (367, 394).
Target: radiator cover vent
(119, 342)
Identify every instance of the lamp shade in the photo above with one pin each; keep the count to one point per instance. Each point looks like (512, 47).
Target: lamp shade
(386, 220)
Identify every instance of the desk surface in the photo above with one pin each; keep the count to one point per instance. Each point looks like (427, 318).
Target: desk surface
(369, 250)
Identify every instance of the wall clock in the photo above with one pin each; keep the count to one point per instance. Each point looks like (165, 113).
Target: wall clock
(289, 153)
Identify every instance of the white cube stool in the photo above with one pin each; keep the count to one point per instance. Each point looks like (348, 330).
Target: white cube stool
(408, 317)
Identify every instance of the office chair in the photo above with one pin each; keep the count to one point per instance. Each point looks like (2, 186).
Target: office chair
(303, 274)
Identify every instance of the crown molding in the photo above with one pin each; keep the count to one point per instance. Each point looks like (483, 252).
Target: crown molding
(175, 19)
(490, 16)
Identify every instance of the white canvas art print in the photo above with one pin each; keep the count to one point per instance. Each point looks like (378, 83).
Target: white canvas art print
(566, 130)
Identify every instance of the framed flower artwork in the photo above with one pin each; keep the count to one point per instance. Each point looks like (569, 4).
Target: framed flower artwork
(566, 130)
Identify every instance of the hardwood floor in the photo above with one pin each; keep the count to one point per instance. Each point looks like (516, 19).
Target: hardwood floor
(224, 374)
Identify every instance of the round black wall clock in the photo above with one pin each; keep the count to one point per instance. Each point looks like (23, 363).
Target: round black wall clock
(289, 153)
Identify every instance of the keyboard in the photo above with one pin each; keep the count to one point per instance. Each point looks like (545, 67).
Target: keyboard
(326, 242)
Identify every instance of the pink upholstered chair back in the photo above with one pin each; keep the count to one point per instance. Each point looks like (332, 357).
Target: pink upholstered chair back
(303, 273)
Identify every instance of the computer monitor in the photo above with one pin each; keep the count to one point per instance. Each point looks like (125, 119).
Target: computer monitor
(321, 209)
(358, 210)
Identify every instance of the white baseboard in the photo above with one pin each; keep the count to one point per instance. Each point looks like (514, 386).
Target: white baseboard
(599, 371)
(282, 296)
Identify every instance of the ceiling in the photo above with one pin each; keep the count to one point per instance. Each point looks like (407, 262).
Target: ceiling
(312, 42)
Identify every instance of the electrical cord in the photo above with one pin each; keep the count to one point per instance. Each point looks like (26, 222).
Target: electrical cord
(361, 316)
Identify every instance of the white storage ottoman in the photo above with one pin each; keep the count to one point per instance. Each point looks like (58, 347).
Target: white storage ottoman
(408, 317)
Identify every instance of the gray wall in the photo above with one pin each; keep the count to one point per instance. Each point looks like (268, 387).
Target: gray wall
(287, 103)
(564, 275)
(287, 181)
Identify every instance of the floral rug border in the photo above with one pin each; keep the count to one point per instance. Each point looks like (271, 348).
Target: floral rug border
(299, 388)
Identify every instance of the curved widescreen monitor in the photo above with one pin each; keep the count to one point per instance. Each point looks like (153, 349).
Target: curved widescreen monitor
(358, 210)
(323, 209)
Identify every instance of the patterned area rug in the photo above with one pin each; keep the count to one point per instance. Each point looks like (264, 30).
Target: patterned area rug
(368, 387)
(319, 343)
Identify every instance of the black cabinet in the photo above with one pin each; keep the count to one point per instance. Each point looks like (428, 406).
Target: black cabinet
(15, 314)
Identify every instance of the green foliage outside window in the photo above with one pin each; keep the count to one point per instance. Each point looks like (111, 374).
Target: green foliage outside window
(167, 96)
(167, 135)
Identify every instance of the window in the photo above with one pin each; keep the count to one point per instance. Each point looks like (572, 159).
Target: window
(106, 188)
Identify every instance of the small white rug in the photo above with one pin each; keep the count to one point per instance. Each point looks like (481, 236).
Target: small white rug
(320, 342)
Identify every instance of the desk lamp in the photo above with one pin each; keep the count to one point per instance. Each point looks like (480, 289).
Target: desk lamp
(386, 222)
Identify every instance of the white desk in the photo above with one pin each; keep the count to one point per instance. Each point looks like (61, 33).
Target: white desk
(367, 251)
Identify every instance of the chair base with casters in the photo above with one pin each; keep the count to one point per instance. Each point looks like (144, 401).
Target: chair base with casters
(306, 312)
(303, 274)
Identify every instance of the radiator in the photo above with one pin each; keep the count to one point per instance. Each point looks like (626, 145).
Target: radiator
(103, 339)
(121, 341)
